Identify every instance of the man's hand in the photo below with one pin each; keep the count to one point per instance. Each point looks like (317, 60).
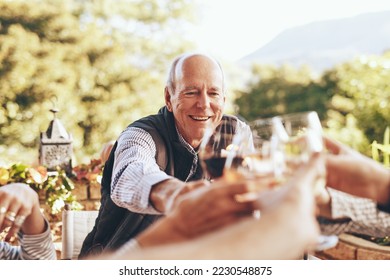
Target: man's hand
(354, 173)
(198, 211)
(163, 195)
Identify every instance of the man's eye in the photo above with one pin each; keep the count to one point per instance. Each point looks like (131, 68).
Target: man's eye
(190, 93)
(214, 93)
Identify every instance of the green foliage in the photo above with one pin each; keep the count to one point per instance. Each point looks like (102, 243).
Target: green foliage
(381, 152)
(346, 130)
(56, 187)
(99, 72)
(362, 89)
(352, 99)
(277, 91)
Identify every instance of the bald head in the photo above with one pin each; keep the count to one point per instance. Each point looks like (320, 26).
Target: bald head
(189, 60)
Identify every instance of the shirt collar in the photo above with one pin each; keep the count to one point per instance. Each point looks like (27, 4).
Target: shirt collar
(185, 143)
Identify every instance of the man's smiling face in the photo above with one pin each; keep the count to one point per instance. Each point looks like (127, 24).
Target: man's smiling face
(198, 99)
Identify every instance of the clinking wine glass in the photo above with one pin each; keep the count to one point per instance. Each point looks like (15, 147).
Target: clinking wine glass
(216, 144)
(260, 166)
(299, 136)
(262, 162)
(247, 154)
(229, 151)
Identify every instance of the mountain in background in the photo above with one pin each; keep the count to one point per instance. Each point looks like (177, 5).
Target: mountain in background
(323, 44)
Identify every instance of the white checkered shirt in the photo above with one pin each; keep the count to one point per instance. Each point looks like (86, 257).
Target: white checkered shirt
(355, 214)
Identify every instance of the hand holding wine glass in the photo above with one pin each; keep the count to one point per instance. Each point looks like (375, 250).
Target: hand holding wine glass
(300, 136)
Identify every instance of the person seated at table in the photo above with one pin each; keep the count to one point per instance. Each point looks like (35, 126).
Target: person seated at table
(155, 159)
(347, 170)
(20, 214)
(286, 229)
(366, 209)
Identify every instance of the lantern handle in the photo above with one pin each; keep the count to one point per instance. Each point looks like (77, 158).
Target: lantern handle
(54, 110)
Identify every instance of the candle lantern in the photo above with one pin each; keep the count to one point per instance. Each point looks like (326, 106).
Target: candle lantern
(55, 150)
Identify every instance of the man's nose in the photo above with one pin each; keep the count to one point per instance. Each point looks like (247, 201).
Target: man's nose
(203, 100)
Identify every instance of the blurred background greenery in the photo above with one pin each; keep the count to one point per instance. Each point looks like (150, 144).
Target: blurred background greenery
(103, 64)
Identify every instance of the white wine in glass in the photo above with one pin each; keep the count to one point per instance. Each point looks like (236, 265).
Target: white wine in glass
(299, 136)
(259, 167)
(263, 160)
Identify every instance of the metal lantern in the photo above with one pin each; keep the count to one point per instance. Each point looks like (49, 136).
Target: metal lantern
(55, 150)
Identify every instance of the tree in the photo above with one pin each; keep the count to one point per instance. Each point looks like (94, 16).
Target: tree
(102, 75)
(352, 99)
(276, 91)
(361, 90)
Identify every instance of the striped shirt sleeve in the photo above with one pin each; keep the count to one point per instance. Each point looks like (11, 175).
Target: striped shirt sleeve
(135, 171)
(32, 247)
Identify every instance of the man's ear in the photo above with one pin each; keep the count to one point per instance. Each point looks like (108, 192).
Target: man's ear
(168, 99)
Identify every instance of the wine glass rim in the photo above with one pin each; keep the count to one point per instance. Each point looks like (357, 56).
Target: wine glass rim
(261, 121)
(295, 115)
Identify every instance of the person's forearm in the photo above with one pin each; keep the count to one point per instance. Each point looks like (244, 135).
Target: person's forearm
(161, 233)
(34, 223)
(162, 194)
(384, 187)
(135, 171)
(257, 240)
(37, 246)
(377, 180)
(359, 176)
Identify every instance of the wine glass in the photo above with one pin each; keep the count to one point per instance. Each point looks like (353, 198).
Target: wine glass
(238, 155)
(216, 145)
(262, 163)
(299, 136)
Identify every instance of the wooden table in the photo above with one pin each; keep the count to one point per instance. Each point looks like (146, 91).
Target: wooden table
(353, 248)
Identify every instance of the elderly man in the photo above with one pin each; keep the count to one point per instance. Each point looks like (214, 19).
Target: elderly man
(155, 160)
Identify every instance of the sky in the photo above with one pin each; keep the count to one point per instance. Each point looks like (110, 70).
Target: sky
(231, 29)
